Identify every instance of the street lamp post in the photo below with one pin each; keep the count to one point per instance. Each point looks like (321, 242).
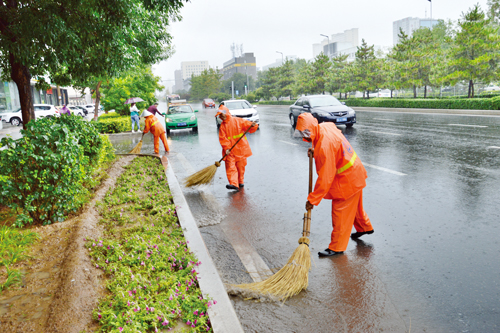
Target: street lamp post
(328, 45)
(281, 56)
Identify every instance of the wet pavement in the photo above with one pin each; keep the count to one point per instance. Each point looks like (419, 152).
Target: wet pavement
(432, 196)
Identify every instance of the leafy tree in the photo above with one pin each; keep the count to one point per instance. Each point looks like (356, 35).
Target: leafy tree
(285, 79)
(303, 82)
(475, 52)
(494, 11)
(365, 68)
(337, 78)
(319, 70)
(269, 83)
(240, 81)
(139, 82)
(74, 40)
(205, 84)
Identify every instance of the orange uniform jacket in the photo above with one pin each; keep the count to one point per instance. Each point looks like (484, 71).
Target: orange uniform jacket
(340, 172)
(230, 131)
(153, 124)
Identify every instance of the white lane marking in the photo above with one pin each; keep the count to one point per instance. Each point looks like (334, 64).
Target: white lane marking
(249, 257)
(384, 119)
(293, 144)
(388, 133)
(493, 147)
(464, 125)
(384, 169)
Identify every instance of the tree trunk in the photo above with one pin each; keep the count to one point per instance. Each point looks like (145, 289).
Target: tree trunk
(364, 93)
(21, 75)
(391, 93)
(471, 85)
(470, 89)
(97, 99)
(368, 94)
(414, 91)
(425, 91)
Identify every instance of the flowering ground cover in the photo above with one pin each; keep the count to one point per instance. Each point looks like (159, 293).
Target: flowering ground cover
(151, 274)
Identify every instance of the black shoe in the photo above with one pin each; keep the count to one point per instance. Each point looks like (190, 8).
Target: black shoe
(328, 253)
(242, 185)
(232, 187)
(361, 233)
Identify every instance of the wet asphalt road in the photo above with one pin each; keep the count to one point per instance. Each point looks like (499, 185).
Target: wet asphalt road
(432, 195)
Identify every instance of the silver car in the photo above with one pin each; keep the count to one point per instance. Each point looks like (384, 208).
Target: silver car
(242, 109)
(15, 118)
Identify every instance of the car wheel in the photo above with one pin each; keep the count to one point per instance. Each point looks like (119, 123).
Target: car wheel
(80, 114)
(195, 129)
(168, 132)
(292, 121)
(15, 121)
(349, 125)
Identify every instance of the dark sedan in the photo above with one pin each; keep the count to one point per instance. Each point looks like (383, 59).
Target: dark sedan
(323, 108)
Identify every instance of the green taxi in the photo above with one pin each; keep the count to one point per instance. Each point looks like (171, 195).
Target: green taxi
(181, 116)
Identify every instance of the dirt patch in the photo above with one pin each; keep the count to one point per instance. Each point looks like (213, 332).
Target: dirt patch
(61, 287)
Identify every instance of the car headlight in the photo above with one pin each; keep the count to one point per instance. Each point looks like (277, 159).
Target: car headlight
(351, 112)
(193, 117)
(169, 120)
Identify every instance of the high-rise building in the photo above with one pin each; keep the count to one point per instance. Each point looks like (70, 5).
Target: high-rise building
(337, 42)
(246, 64)
(178, 86)
(190, 68)
(409, 25)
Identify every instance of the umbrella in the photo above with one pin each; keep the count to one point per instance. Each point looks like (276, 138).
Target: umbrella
(134, 100)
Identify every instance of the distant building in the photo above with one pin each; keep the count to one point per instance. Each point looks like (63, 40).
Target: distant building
(409, 25)
(190, 68)
(246, 64)
(178, 86)
(278, 62)
(337, 42)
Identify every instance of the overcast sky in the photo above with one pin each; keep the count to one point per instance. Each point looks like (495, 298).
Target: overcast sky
(209, 27)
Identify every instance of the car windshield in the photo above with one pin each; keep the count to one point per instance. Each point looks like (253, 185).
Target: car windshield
(209, 101)
(9, 111)
(180, 109)
(238, 105)
(324, 101)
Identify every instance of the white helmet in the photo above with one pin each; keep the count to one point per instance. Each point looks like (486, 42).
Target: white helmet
(146, 113)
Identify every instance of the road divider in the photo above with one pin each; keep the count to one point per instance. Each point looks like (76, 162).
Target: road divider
(388, 133)
(466, 125)
(384, 169)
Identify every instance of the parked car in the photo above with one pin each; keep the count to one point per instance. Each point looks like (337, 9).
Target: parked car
(491, 87)
(76, 110)
(15, 118)
(181, 116)
(384, 93)
(90, 108)
(208, 103)
(324, 108)
(84, 110)
(242, 109)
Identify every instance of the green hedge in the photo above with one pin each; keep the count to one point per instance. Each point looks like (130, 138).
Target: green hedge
(47, 173)
(115, 123)
(419, 103)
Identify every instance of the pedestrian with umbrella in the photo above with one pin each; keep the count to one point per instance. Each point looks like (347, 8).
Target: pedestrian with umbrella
(134, 112)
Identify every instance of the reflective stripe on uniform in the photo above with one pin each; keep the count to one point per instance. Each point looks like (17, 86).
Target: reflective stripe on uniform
(154, 123)
(235, 137)
(348, 164)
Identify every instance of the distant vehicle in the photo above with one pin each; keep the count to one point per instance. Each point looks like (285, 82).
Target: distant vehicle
(491, 87)
(15, 118)
(208, 103)
(84, 110)
(242, 109)
(383, 93)
(90, 108)
(173, 97)
(324, 108)
(76, 110)
(181, 115)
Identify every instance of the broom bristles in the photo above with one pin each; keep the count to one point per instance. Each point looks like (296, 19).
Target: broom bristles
(137, 149)
(290, 280)
(204, 176)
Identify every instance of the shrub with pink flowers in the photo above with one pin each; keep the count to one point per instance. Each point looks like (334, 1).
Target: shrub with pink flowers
(151, 274)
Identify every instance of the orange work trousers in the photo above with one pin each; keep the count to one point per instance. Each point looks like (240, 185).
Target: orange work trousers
(157, 142)
(235, 170)
(345, 214)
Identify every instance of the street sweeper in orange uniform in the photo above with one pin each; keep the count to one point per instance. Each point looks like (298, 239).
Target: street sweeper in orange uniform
(341, 178)
(231, 129)
(153, 125)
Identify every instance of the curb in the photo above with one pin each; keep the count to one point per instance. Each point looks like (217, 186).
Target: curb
(433, 111)
(222, 315)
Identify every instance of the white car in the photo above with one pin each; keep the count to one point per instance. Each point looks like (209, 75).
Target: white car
(15, 118)
(242, 109)
(492, 87)
(90, 108)
(76, 110)
(383, 93)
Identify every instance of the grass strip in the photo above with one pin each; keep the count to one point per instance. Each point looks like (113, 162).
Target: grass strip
(151, 274)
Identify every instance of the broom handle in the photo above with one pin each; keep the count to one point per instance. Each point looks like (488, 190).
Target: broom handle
(241, 137)
(307, 216)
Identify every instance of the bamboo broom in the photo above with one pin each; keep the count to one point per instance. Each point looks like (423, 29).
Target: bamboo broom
(294, 276)
(137, 149)
(205, 176)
